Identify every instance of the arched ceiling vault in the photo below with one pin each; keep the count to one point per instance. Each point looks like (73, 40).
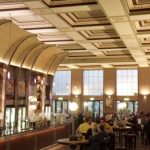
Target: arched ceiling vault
(54, 66)
(44, 58)
(23, 49)
(15, 48)
(54, 61)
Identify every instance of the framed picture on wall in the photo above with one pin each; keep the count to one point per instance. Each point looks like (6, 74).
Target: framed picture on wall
(109, 102)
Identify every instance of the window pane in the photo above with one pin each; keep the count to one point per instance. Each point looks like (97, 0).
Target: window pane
(62, 83)
(127, 82)
(93, 82)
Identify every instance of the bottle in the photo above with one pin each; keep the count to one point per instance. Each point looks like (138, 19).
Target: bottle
(83, 137)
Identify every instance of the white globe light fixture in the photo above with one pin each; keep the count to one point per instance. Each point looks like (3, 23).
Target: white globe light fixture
(73, 106)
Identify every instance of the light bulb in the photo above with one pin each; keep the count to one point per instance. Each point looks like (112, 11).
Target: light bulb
(42, 82)
(34, 80)
(73, 106)
(8, 75)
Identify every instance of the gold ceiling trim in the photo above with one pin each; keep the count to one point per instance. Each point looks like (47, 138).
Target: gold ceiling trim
(98, 60)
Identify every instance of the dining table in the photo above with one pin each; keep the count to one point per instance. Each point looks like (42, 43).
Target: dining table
(122, 130)
(72, 143)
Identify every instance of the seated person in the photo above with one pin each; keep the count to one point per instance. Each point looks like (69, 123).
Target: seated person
(83, 127)
(92, 131)
(99, 141)
(107, 126)
(97, 118)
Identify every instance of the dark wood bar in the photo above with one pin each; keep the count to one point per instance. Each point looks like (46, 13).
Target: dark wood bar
(35, 140)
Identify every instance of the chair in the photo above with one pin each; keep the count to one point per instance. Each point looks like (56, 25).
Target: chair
(111, 141)
(130, 141)
(110, 144)
(120, 148)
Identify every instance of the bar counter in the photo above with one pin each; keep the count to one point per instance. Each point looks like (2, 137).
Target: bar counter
(35, 139)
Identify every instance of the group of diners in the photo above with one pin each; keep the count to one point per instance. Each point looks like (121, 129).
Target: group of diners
(97, 134)
(99, 130)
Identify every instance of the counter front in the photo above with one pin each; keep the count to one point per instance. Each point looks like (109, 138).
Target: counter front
(36, 139)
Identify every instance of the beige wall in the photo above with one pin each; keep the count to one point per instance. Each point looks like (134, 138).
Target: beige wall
(110, 89)
(110, 86)
(144, 88)
(76, 86)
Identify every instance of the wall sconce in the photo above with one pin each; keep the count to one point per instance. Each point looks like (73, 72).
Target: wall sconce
(109, 93)
(42, 82)
(76, 91)
(34, 80)
(145, 97)
(145, 93)
(8, 75)
(109, 96)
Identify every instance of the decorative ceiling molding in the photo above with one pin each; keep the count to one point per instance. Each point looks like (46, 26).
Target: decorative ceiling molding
(97, 60)
(93, 29)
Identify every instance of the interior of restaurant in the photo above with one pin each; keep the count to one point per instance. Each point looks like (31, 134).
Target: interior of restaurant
(74, 73)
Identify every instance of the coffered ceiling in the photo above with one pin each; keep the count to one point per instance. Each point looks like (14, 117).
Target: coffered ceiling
(95, 33)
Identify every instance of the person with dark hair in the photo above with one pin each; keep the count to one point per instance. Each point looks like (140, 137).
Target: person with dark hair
(79, 118)
(144, 120)
(97, 118)
(92, 131)
(147, 129)
(99, 141)
(83, 127)
(106, 125)
(134, 123)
